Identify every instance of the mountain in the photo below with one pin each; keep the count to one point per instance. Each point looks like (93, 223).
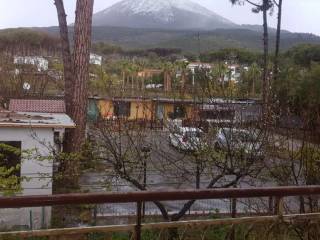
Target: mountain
(143, 24)
(160, 14)
(187, 40)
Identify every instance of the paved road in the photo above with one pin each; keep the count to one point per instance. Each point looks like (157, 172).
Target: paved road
(167, 168)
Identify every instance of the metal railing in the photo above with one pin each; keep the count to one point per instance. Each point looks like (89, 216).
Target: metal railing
(275, 193)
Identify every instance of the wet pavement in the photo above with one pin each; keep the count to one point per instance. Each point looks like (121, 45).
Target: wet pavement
(167, 169)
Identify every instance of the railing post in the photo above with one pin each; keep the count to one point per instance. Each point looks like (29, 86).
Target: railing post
(95, 213)
(144, 184)
(233, 207)
(270, 202)
(233, 215)
(43, 218)
(31, 220)
(279, 208)
(138, 222)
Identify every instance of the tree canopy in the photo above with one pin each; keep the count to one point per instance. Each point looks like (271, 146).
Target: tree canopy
(304, 54)
(27, 41)
(240, 55)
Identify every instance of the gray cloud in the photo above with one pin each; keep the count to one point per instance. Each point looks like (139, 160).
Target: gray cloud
(299, 15)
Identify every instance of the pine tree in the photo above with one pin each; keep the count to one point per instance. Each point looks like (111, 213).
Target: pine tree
(76, 68)
(262, 6)
(278, 38)
(76, 74)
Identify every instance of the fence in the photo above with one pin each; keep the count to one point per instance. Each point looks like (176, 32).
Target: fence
(285, 221)
(118, 123)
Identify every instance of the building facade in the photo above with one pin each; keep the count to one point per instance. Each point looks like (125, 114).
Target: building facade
(41, 63)
(37, 136)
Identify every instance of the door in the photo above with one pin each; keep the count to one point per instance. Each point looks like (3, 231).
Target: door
(160, 111)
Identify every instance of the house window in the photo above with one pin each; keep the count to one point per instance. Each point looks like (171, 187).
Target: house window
(57, 140)
(10, 155)
(179, 111)
(217, 115)
(122, 109)
(160, 111)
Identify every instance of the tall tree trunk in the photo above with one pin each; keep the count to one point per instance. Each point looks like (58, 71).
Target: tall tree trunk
(123, 79)
(253, 86)
(183, 81)
(76, 75)
(82, 45)
(265, 85)
(278, 39)
(132, 82)
(66, 55)
(76, 69)
(167, 81)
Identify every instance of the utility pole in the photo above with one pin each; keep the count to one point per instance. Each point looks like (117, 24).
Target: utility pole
(193, 70)
(146, 149)
(193, 80)
(199, 45)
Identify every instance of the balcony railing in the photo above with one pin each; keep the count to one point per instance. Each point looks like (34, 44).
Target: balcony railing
(283, 218)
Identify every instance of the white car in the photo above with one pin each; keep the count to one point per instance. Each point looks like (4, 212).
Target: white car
(186, 138)
(249, 142)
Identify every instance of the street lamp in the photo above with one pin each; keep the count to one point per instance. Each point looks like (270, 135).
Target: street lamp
(193, 80)
(145, 149)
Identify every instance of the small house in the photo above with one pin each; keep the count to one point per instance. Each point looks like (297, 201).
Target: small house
(171, 108)
(127, 108)
(95, 59)
(147, 109)
(233, 73)
(41, 63)
(37, 128)
(149, 73)
(221, 111)
(198, 65)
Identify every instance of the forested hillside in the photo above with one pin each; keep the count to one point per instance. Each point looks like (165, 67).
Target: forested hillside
(187, 40)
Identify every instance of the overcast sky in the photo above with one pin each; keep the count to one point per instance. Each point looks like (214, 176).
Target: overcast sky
(298, 16)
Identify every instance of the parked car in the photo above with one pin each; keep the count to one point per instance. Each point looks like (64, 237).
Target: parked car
(186, 138)
(249, 142)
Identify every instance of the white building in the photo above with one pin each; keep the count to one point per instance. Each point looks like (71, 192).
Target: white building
(41, 63)
(95, 59)
(37, 132)
(233, 74)
(198, 65)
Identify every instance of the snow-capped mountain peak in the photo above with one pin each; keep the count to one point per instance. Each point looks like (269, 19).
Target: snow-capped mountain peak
(158, 6)
(153, 13)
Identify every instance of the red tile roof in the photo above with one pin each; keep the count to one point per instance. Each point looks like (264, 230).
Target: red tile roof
(43, 106)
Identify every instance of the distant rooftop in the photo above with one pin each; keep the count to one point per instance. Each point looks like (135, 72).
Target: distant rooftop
(37, 106)
(35, 120)
(199, 65)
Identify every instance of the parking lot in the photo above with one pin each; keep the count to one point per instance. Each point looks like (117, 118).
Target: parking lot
(166, 167)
